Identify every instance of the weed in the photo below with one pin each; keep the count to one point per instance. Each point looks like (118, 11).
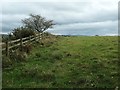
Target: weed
(6, 62)
(46, 76)
(27, 48)
(38, 54)
(57, 55)
(36, 73)
(17, 56)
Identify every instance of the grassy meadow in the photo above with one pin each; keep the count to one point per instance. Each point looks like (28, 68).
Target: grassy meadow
(67, 62)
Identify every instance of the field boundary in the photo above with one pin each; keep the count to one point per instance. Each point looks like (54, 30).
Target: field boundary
(9, 44)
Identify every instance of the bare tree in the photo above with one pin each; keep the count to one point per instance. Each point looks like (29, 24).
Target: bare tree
(37, 23)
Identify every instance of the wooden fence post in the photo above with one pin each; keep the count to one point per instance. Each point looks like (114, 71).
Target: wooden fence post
(21, 44)
(7, 48)
(35, 36)
(11, 44)
(29, 39)
(40, 36)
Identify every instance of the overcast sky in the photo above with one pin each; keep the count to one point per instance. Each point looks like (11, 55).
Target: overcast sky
(72, 17)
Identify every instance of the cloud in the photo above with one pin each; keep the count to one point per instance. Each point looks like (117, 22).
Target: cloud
(95, 28)
(59, 1)
(71, 17)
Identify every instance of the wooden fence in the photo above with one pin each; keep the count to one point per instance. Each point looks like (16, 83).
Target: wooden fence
(6, 46)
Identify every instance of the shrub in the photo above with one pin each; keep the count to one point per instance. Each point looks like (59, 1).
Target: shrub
(17, 56)
(27, 48)
(22, 32)
(21, 56)
(38, 54)
(6, 62)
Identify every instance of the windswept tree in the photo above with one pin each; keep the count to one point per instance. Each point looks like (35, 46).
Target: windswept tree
(37, 23)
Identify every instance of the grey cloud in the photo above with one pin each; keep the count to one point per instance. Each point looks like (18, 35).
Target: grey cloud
(70, 17)
(98, 28)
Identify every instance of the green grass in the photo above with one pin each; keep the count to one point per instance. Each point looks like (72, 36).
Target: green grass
(76, 61)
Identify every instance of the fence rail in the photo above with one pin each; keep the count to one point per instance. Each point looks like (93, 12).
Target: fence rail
(19, 42)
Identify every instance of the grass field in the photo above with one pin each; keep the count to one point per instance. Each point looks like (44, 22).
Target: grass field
(75, 61)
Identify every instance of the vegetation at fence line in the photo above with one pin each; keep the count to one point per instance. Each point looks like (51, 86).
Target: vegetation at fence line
(33, 25)
(68, 62)
(22, 32)
(18, 33)
(20, 53)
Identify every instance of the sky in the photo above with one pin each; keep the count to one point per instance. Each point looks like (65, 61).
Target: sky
(72, 17)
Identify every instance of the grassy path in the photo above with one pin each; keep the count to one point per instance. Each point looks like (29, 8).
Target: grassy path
(70, 62)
